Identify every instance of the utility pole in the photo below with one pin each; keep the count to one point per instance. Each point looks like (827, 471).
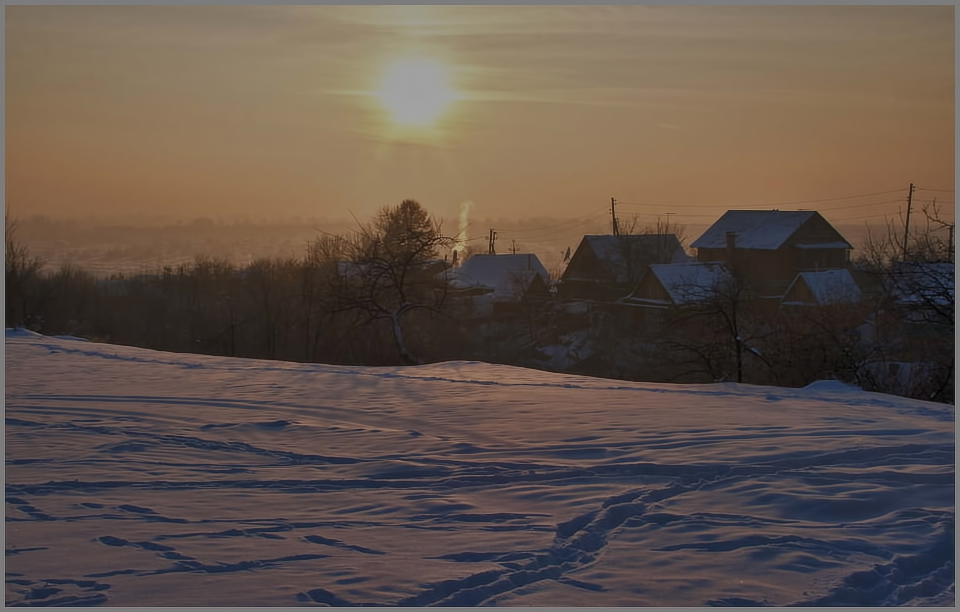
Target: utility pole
(493, 239)
(513, 248)
(613, 215)
(906, 225)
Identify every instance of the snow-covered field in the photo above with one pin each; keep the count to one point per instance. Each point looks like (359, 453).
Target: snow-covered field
(137, 477)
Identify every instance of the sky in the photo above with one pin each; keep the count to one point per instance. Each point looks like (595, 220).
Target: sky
(537, 111)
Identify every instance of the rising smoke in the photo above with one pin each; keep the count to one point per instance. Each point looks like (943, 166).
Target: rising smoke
(462, 226)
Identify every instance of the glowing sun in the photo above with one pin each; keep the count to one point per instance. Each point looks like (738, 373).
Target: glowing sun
(415, 91)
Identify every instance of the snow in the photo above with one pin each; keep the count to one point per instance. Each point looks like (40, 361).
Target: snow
(831, 386)
(755, 229)
(73, 338)
(829, 286)
(506, 275)
(137, 477)
(689, 282)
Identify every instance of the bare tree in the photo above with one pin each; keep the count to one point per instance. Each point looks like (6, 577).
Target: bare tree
(22, 273)
(390, 269)
(633, 227)
(913, 278)
(931, 241)
(716, 329)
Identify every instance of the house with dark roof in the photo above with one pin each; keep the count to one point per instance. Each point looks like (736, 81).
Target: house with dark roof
(771, 247)
(606, 268)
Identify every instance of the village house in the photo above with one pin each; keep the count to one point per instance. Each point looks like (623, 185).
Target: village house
(498, 284)
(769, 248)
(823, 288)
(667, 286)
(606, 268)
(778, 257)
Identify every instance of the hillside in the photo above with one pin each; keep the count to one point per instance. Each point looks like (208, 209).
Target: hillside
(137, 477)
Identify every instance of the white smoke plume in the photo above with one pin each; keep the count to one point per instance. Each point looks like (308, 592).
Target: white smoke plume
(462, 227)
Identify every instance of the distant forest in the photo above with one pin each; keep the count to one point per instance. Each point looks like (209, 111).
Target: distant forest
(381, 294)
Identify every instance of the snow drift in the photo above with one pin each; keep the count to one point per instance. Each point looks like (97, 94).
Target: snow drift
(137, 477)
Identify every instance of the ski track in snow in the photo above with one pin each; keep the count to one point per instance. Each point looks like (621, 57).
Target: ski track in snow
(137, 477)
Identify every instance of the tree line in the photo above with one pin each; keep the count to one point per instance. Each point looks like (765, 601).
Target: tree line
(379, 296)
(374, 296)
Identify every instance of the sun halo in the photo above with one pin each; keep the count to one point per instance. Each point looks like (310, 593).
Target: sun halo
(415, 91)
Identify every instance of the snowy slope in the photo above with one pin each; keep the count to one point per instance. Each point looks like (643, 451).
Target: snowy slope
(137, 477)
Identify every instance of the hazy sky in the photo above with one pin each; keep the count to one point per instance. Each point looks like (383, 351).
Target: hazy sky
(275, 110)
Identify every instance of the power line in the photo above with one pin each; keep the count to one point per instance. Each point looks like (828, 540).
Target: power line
(864, 195)
(861, 217)
(552, 235)
(570, 227)
(764, 204)
(566, 230)
(899, 200)
(870, 216)
(573, 221)
(940, 190)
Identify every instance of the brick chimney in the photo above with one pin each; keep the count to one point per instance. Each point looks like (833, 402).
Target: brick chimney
(731, 245)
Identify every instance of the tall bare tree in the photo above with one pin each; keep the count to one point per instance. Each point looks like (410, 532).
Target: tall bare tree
(913, 277)
(390, 269)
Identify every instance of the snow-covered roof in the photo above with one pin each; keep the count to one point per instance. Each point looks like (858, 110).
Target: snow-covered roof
(690, 282)
(619, 253)
(758, 229)
(827, 287)
(506, 275)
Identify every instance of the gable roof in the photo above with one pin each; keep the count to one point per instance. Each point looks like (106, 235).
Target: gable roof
(827, 287)
(504, 274)
(760, 229)
(690, 282)
(619, 255)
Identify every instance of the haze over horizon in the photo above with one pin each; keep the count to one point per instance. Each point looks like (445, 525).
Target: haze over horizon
(523, 111)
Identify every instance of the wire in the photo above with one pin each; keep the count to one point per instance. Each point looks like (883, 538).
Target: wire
(834, 199)
(592, 215)
(871, 216)
(838, 198)
(566, 232)
(899, 200)
(538, 233)
(670, 204)
(928, 189)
